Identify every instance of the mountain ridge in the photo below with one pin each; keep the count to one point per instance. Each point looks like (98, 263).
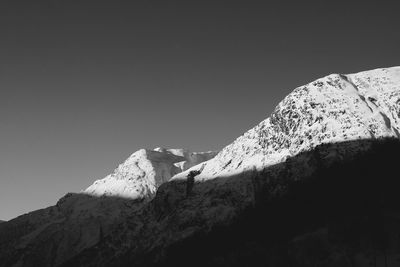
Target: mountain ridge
(326, 110)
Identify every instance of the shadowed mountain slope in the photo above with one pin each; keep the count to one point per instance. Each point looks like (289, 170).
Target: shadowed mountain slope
(346, 213)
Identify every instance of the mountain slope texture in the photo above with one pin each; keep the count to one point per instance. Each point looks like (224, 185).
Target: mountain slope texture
(313, 185)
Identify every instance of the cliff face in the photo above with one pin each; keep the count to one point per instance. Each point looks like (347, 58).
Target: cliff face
(263, 198)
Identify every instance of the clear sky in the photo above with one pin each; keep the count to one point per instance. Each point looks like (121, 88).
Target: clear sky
(86, 83)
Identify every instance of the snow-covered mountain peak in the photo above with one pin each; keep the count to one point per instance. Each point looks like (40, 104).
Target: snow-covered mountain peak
(144, 171)
(82, 230)
(332, 109)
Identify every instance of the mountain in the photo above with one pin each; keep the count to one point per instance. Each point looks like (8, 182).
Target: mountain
(314, 184)
(332, 109)
(144, 171)
(78, 221)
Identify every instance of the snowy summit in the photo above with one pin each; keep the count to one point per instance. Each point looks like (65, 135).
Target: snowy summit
(144, 171)
(332, 109)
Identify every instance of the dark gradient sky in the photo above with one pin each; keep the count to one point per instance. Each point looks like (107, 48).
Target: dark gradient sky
(86, 83)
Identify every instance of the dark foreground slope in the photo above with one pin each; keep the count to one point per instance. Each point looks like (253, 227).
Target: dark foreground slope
(347, 213)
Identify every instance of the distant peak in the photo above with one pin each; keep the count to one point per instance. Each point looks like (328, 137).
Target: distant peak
(144, 171)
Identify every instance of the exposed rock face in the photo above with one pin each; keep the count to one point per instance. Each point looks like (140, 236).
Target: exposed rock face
(330, 122)
(144, 171)
(191, 158)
